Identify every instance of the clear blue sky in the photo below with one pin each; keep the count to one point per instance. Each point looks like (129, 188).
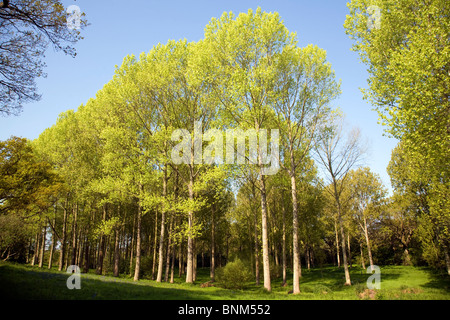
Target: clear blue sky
(119, 28)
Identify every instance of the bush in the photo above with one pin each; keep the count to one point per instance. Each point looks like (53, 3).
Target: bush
(234, 275)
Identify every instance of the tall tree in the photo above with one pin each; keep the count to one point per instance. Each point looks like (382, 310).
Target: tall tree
(367, 194)
(305, 87)
(246, 49)
(338, 156)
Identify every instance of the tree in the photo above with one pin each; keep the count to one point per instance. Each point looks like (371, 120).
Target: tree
(422, 203)
(304, 89)
(407, 55)
(367, 194)
(28, 188)
(246, 50)
(27, 184)
(26, 29)
(337, 157)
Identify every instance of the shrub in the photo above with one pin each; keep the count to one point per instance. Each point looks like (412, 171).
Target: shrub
(234, 275)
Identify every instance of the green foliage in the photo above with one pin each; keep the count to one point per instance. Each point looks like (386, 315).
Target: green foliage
(409, 79)
(235, 275)
(27, 184)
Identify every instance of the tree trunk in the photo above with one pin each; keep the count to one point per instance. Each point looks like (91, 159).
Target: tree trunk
(180, 259)
(362, 256)
(116, 254)
(163, 229)
(265, 238)
(42, 248)
(349, 250)
(132, 244)
(447, 259)
(308, 257)
(117, 247)
(52, 246)
(86, 254)
(344, 254)
(137, 268)
(63, 239)
(190, 248)
(213, 245)
(295, 248)
(161, 248)
(169, 248)
(256, 252)
(337, 244)
(341, 226)
(155, 244)
(36, 249)
(172, 266)
(194, 262)
(101, 247)
(369, 251)
(283, 248)
(74, 235)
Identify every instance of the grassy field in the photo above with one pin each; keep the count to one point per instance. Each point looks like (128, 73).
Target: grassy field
(397, 283)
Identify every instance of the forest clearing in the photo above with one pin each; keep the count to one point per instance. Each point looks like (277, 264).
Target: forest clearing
(218, 162)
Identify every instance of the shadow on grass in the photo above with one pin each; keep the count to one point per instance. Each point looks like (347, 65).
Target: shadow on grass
(24, 284)
(334, 277)
(438, 280)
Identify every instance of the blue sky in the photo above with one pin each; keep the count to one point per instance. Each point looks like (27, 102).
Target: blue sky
(119, 28)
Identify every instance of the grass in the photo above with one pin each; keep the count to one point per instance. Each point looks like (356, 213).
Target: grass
(397, 283)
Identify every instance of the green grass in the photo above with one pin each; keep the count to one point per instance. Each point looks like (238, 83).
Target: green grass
(397, 282)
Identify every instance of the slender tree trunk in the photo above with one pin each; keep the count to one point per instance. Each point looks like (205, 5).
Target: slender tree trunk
(337, 244)
(344, 254)
(256, 251)
(116, 253)
(74, 235)
(369, 251)
(161, 248)
(155, 244)
(295, 247)
(52, 246)
(308, 257)
(194, 262)
(52, 249)
(362, 256)
(80, 249)
(169, 248)
(86, 254)
(213, 245)
(63, 239)
(101, 247)
(137, 268)
(132, 244)
(117, 247)
(190, 244)
(36, 249)
(42, 249)
(180, 259)
(172, 266)
(283, 248)
(163, 229)
(349, 250)
(265, 238)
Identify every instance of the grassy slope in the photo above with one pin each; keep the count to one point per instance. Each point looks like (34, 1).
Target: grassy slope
(397, 282)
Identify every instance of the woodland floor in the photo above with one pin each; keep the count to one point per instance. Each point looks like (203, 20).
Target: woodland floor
(397, 283)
